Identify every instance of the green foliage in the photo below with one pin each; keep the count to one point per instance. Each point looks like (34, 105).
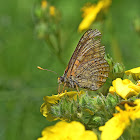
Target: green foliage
(92, 112)
(22, 86)
(116, 69)
(132, 131)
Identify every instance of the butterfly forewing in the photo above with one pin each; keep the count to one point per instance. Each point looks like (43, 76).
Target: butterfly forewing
(89, 35)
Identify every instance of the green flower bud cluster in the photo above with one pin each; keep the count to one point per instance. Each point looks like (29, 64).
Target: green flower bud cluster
(47, 19)
(92, 112)
(116, 69)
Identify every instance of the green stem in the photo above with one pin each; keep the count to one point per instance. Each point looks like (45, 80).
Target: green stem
(59, 53)
(58, 36)
(50, 44)
(52, 48)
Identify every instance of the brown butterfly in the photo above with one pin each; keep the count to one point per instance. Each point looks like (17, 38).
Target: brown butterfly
(87, 67)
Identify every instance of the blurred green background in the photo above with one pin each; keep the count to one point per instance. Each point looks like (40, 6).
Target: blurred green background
(23, 86)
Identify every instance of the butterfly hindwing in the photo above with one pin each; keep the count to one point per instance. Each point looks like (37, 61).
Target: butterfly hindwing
(92, 74)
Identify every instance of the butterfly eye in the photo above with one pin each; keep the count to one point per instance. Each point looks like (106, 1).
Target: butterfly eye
(61, 79)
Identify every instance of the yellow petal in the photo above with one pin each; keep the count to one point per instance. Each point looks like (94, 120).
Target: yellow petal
(43, 4)
(67, 131)
(125, 88)
(126, 81)
(90, 17)
(135, 70)
(135, 87)
(137, 101)
(55, 98)
(52, 10)
(88, 135)
(112, 90)
(113, 128)
(90, 13)
(45, 110)
(52, 99)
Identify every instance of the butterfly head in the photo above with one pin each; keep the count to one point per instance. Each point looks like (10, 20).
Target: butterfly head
(61, 80)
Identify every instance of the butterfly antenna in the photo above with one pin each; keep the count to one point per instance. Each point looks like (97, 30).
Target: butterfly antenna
(47, 70)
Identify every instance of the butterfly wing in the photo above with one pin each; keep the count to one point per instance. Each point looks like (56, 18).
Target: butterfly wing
(92, 74)
(81, 47)
(87, 65)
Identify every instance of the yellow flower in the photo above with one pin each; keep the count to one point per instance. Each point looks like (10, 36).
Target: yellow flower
(52, 10)
(43, 4)
(54, 99)
(67, 131)
(125, 88)
(114, 128)
(90, 13)
(134, 72)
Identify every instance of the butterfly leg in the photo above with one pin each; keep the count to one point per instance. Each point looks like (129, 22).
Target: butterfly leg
(63, 87)
(77, 88)
(59, 89)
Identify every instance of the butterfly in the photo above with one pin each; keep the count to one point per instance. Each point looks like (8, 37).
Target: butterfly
(87, 67)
